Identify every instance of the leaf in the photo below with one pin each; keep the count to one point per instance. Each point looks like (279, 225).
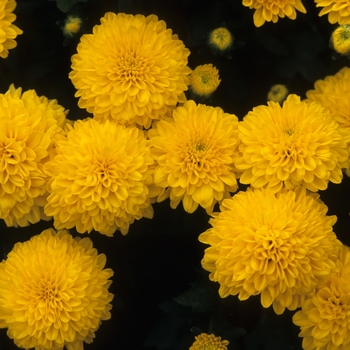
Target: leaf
(66, 5)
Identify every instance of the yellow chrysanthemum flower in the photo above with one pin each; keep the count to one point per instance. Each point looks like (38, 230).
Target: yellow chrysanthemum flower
(204, 80)
(131, 69)
(29, 128)
(298, 143)
(333, 93)
(325, 318)
(220, 39)
(270, 10)
(100, 178)
(340, 39)
(206, 341)
(8, 31)
(277, 93)
(271, 244)
(338, 10)
(195, 152)
(54, 292)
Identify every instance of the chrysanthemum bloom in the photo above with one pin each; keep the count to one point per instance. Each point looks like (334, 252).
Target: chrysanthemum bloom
(72, 26)
(271, 244)
(220, 39)
(206, 341)
(325, 317)
(8, 31)
(29, 130)
(298, 143)
(195, 152)
(338, 10)
(333, 93)
(131, 69)
(100, 178)
(277, 93)
(270, 10)
(54, 292)
(204, 80)
(340, 39)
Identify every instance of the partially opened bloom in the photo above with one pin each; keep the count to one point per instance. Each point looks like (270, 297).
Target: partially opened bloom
(206, 341)
(195, 154)
(204, 80)
(270, 10)
(220, 39)
(298, 143)
(324, 319)
(340, 39)
(29, 129)
(131, 69)
(8, 31)
(338, 10)
(100, 178)
(277, 93)
(268, 244)
(54, 292)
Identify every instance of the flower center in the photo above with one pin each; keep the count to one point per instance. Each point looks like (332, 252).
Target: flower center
(132, 66)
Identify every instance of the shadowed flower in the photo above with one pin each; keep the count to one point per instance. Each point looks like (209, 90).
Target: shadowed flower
(195, 152)
(29, 129)
(298, 143)
(277, 93)
(270, 10)
(324, 319)
(340, 39)
(131, 69)
(54, 292)
(8, 31)
(204, 80)
(100, 177)
(270, 244)
(206, 341)
(220, 39)
(338, 10)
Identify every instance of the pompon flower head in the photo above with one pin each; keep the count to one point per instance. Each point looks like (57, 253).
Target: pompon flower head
(277, 93)
(194, 153)
(298, 143)
(8, 31)
(324, 319)
(100, 178)
(204, 80)
(29, 130)
(206, 341)
(333, 93)
(132, 69)
(270, 10)
(338, 10)
(340, 39)
(220, 40)
(54, 292)
(268, 244)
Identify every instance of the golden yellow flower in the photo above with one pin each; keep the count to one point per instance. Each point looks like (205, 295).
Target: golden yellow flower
(100, 178)
(54, 292)
(72, 26)
(298, 143)
(206, 341)
(29, 130)
(195, 152)
(324, 319)
(270, 10)
(220, 39)
(277, 93)
(131, 69)
(204, 80)
(271, 244)
(340, 39)
(8, 31)
(338, 10)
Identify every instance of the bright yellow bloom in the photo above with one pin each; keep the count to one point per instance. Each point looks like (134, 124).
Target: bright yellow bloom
(298, 143)
(340, 39)
(131, 69)
(54, 292)
(206, 341)
(8, 31)
(325, 318)
(100, 178)
(270, 10)
(29, 128)
(271, 244)
(338, 10)
(277, 93)
(195, 152)
(204, 80)
(220, 39)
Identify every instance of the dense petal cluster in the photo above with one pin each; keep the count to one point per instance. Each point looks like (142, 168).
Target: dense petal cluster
(325, 318)
(338, 10)
(270, 10)
(298, 143)
(340, 39)
(204, 80)
(8, 31)
(100, 177)
(29, 129)
(271, 244)
(194, 153)
(206, 341)
(333, 93)
(54, 292)
(220, 39)
(131, 69)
